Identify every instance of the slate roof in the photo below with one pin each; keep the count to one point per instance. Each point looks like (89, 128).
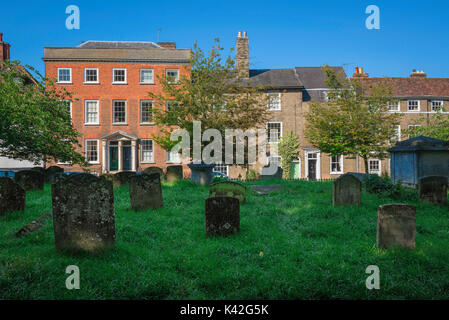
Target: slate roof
(414, 87)
(118, 44)
(314, 81)
(275, 78)
(420, 143)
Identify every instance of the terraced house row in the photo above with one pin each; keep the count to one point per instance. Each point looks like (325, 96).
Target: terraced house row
(112, 109)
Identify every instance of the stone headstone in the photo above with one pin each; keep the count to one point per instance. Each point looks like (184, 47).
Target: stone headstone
(433, 189)
(34, 225)
(222, 216)
(396, 226)
(83, 213)
(347, 190)
(228, 189)
(122, 178)
(12, 196)
(29, 180)
(53, 174)
(260, 190)
(174, 173)
(151, 170)
(145, 191)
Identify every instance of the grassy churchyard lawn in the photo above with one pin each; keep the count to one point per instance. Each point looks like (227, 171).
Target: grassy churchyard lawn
(293, 244)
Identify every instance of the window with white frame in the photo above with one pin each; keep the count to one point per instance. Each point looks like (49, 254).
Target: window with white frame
(336, 164)
(275, 160)
(437, 105)
(68, 105)
(59, 161)
(118, 75)
(172, 75)
(119, 111)
(274, 131)
(146, 151)
(394, 106)
(91, 75)
(374, 166)
(173, 157)
(91, 112)
(64, 75)
(413, 105)
(147, 76)
(274, 101)
(92, 150)
(397, 136)
(223, 168)
(171, 104)
(146, 111)
(413, 126)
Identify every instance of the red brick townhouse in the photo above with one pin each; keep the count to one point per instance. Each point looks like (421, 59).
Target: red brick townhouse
(111, 106)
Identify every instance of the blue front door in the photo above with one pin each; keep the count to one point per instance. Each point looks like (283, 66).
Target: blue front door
(126, 158)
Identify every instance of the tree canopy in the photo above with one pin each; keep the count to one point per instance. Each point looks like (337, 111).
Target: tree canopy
(34, 123)
(355, 120)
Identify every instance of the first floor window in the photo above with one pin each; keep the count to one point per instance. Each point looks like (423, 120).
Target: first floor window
(172, 75)
(119, 75)
(374, 166)
(337, 164)
(394, 106)
(173, 157)
(119, 111)
(220, 167)
(91, 113)
(146, 111)
(68, 105)
(274, 101)
(92, 151)
(65, 75)
(146, 149)
(91, 75)
(437, 105)
(147, 76)
(274, 131)
(397, 136)
(413, 105)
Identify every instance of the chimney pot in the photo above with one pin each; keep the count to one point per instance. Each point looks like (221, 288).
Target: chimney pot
(1, 36)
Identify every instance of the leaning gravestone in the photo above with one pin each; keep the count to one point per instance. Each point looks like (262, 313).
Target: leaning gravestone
(29, 180)
(347, 191)
(53, 174)
(83, 213)
(228, 189)
(396, 226)
(174, 173)
(12, 196)
(433, 189)
(122, 178)
(222, 216)
(145, 191)
(151, 170)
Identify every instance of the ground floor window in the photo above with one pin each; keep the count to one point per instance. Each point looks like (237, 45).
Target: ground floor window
(274, 131)
(173, 157)
(337, 164)
(374, 166)
(146, 150)
(91, 151)
(220, 167)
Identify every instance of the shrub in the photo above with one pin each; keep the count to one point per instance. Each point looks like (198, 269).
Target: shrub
(383, 186)
(252, 174)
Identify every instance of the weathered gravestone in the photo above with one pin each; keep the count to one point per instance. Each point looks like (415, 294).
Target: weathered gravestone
(122, 178)
(174, 173)
(83, 213)
(33, 226)
(433, 189)
(222, 216)
(228, 189)
(12, 196)
(396, 226)
(151, 170)
(53, 174)
(347, 190)
(29, 180)
(145, 191)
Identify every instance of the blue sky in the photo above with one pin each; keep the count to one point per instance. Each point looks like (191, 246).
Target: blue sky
(282, 34)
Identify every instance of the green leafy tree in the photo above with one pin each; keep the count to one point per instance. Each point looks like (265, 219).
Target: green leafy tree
(209, 91)
(34, 123)
(288, 150)
(355, 121)
(436, 126)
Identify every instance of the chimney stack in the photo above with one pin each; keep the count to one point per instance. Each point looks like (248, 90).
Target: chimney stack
(4, 49)
(359, 73)
(242, 54)
(418, 74)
